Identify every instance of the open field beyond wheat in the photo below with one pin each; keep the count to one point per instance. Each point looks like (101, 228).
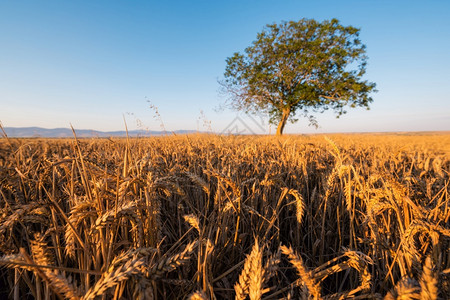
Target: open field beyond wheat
(204, 217)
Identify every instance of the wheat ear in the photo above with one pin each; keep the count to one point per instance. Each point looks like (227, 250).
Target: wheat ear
(198, 295)
(122, 268)
(171, 263)
(428, 282)
(308, 280)
(253, 276)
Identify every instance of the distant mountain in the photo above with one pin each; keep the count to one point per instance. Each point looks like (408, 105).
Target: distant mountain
(81, 133)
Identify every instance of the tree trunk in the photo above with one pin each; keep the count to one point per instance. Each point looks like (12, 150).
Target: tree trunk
(283, 121)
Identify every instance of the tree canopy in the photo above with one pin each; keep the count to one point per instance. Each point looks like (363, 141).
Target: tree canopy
(299, 67)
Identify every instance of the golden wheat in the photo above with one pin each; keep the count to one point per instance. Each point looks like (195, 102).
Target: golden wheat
(206, 216)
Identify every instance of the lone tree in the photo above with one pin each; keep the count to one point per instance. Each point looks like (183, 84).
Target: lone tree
(303, 66)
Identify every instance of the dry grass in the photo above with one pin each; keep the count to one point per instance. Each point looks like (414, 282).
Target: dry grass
(201, 217)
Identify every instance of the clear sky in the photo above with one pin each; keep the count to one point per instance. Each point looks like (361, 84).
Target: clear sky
(90, 63)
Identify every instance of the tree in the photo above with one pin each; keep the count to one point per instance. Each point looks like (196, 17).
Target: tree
(303, 66)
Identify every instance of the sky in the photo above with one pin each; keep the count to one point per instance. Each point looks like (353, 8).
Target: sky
(154, 64)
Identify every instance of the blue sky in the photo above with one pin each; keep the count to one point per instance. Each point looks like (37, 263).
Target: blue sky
(90, 63)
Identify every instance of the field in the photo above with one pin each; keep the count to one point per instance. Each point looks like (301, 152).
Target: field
(204, 217)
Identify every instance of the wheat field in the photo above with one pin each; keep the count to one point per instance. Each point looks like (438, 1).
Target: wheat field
(235, 217)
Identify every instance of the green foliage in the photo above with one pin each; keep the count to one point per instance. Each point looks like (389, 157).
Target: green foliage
(303, 66)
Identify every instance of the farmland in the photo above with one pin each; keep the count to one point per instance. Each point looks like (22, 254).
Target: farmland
(205, 216)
